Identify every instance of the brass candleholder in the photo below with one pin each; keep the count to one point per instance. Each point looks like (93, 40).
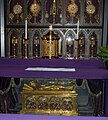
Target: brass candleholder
(25, 42)
(76, 49)
(14, 42)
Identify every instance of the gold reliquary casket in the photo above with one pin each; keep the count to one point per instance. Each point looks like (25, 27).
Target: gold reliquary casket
(50, 45)
(49, 99)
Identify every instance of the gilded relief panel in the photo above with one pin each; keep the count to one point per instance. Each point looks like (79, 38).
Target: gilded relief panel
(15, 11)
(49, 96)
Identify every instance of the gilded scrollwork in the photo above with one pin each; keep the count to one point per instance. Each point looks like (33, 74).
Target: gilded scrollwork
(32, 86)
(30, 102)
(11, 16)
(55, 103)
(67, 104)
(92, 11)
(49, 102)
(42, 103)
(17, 9)
(72, 8)
(35, 8)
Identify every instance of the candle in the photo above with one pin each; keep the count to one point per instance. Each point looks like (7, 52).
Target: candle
(26, 29)
(77, 30)
(50, 27)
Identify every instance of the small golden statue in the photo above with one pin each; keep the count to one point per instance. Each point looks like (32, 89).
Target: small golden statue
(14, 42)
(25, 43)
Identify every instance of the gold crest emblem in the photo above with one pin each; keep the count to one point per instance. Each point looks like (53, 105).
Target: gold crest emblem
(17, 9)
(72, 8)
(35, 8)
(90, 9)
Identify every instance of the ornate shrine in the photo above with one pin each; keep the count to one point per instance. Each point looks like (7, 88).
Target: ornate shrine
(77, 33)
(50, 97)
(50, 44)
(64, 17)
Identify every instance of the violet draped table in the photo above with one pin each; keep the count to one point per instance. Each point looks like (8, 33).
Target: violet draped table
(84, 69)
(46, 117)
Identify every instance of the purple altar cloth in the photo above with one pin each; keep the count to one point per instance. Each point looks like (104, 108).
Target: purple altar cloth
(85, 69)
(47, 117)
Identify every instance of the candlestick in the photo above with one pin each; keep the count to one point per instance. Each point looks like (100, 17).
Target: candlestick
(50, 48)
(26, 29)
(77, 30)
(25, 42)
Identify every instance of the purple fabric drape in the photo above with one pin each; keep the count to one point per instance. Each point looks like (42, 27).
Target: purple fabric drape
(106, 98)
(92, 70)
(47, 117)
(8, 93)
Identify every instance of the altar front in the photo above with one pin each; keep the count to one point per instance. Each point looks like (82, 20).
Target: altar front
(84, 69)
(91, 70)
(46, 117)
